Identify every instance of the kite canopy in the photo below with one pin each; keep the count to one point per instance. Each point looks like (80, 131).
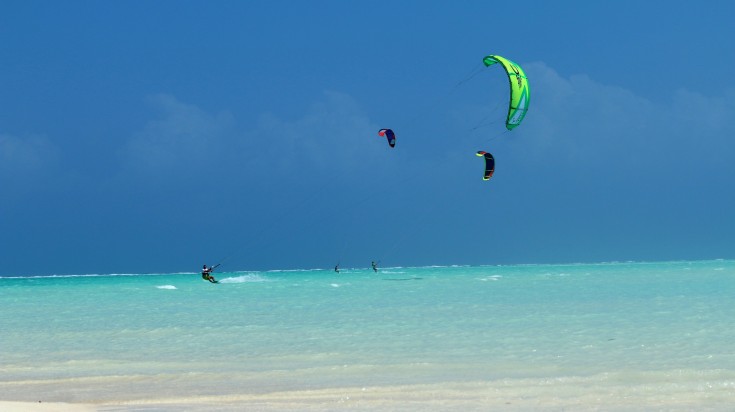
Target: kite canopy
(388, 133)
(489, 164)
(519, 92)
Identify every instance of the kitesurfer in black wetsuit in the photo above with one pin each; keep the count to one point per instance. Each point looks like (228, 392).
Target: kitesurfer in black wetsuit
(207, 274)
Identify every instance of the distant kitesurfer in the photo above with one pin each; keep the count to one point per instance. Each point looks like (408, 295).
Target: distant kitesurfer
(336, 268)
(207, 274)
(375, 266)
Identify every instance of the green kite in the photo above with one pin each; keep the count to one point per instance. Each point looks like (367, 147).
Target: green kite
(519, 92)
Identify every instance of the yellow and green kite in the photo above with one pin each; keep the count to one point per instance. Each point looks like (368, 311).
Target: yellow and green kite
(519, 91)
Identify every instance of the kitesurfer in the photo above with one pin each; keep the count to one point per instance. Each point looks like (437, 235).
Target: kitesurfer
(207, 274)
(336, 268)
(375, 266)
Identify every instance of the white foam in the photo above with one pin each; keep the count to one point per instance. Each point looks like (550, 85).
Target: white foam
(245, 279)
(166, 287)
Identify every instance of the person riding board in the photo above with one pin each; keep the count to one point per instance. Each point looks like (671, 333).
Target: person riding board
(207, 274)
(375, 266)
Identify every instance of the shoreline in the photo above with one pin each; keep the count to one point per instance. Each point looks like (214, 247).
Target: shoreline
(508, 394)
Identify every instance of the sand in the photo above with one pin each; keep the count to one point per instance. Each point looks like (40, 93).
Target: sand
(44, 407)
(466, 397)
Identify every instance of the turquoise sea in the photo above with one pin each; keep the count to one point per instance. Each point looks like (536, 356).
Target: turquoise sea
(607, 336)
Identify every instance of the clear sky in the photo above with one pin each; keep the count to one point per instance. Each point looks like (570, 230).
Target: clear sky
(155, 136)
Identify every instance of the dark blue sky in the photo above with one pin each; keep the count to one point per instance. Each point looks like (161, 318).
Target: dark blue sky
(155, 136)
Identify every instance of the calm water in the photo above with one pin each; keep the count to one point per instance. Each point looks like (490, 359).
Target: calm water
(643, 330)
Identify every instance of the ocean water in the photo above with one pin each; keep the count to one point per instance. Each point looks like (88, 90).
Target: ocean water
(608, 336)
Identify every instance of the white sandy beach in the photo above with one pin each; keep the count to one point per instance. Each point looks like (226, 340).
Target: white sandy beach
(571, 394)
(6, 406)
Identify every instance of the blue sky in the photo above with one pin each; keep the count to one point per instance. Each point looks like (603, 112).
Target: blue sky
(155, 136)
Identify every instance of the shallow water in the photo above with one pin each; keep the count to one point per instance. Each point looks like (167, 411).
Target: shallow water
(646, 333)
